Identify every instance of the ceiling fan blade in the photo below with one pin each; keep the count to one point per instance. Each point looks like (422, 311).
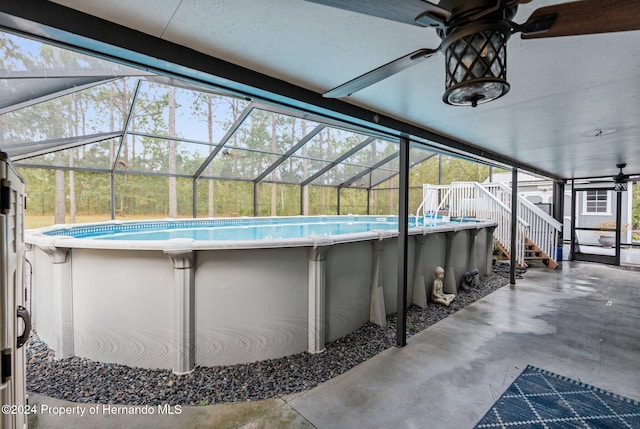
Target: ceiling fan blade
(535, 25)
(587, 17)
(382, 72)
(406, 11)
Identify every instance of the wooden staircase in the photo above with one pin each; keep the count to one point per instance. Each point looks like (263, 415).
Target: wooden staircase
(536, 232)
(531, 253)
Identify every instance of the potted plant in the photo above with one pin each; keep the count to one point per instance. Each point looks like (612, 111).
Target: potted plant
(607, 238)
(496, 252)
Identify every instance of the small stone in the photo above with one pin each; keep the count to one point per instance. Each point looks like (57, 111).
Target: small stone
(82, 380)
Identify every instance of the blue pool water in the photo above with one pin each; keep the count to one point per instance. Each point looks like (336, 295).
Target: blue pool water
(232, 229)
(254, 232)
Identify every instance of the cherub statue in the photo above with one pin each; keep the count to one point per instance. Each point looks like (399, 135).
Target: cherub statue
(437, 295)
(467, 280)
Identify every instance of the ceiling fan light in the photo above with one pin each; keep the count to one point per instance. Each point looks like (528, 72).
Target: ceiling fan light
(476, 64)
(476, 92)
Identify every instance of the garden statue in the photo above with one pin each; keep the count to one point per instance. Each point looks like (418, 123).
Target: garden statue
(437, 294)
(467, 280)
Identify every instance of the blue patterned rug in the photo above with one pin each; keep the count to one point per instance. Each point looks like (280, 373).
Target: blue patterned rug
(542, 399)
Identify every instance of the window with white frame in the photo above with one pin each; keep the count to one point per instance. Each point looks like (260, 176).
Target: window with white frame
(597, 202)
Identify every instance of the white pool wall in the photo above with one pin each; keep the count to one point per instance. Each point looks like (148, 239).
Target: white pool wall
(251, 304)
(181, 303)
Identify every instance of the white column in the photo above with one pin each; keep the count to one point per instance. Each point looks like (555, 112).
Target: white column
(450, 284)
(377, 310)
(62, 299)
(489, 256)
(419, 288)
(180, 252)
(472, 264)
(316, 330)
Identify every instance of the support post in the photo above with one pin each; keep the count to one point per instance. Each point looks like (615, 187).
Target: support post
(403, 234)
(113, 196)
(450, 284)
(180, 252)
(514, 225)
(618, 227)
(317, 329)
(573, 220)
(558, 214)
(255, 199)
(558, 201)
(377, 310)
(194, 199)
(61, 283)
(489, 262)
(302, 200)
(471, 260)
(439, 178)
(419, 287)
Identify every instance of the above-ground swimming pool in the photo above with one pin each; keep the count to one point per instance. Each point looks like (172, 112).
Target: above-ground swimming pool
(236, 229)
(179, 293)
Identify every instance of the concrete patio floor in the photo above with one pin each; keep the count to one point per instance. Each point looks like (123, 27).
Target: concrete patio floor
(581, 321)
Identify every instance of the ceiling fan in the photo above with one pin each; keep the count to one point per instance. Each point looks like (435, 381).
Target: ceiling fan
(474, 37)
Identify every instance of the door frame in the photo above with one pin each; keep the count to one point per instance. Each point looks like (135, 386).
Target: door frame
(576, 254)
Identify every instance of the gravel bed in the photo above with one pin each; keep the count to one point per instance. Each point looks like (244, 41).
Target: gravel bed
(82, 380)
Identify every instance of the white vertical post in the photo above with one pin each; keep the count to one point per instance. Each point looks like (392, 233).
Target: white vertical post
(377, 310)
(471, 262)
(316, 331)
(180, 252)
(62, 299)
(450, 285)
(419, 287)
(489, 261)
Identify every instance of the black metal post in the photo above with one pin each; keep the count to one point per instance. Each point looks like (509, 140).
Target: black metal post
(255, 199)
(618, 227)
(113, 196)
(338, 202)
(301, 200)
(514, 225)
(194, 200)
(573, 220)
(558, 201)
(403, 233)
(439, 177)
(558, 211)
(368, 201)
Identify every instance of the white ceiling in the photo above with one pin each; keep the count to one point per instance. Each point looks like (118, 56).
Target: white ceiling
(563, 90)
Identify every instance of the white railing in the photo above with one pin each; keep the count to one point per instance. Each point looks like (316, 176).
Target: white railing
(544, 231)
(500, 191)
(435, 200)
(429, 201)
(493, 201)
(476, 201)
